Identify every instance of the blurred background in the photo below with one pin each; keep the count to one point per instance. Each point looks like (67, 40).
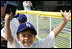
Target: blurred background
(48, 5)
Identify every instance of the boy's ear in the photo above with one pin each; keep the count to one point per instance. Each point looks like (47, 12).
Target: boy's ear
(18, 38)
(35, 36)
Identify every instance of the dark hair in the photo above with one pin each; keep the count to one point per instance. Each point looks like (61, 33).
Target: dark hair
(15, 16)
(1, 5)
(23, 20)
(32, 31)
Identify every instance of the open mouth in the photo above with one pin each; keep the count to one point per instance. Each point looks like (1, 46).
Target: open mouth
(27, 43)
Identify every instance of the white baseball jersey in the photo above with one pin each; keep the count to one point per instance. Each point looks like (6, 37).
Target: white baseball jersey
(13, 27)
(44, 43)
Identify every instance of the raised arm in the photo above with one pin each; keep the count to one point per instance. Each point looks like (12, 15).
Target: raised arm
(66, 17)
(7, 28)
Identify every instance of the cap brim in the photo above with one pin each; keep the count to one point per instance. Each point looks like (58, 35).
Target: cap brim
(32, 29)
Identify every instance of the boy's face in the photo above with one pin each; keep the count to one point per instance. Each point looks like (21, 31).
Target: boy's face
(2, 11)
(26, 38)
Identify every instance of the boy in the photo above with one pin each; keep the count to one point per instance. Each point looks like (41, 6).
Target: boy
(26, 34)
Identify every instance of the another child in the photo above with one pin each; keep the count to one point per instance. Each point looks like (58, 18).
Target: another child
(14, 23)
(27, 6)
(26, 34)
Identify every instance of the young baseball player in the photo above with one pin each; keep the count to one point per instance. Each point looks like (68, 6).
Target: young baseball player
(26, 34)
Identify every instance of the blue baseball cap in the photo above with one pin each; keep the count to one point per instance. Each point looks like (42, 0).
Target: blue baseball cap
(3, 3)
(21, 17)
(26, 25)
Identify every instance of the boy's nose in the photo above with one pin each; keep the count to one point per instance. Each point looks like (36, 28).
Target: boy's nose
(26, 38)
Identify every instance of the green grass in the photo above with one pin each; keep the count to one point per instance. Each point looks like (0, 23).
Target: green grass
(36, 39)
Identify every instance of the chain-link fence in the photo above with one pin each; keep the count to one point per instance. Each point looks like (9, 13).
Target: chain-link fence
(45, 22)
(44, 25)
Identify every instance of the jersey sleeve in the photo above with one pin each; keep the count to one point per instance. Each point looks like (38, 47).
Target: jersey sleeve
(14, 26)
(51, 39)
(3, 34)
(47, 42)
